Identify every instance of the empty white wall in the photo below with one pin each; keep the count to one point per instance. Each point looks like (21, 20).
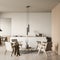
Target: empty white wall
(39, 22)
(5, 25)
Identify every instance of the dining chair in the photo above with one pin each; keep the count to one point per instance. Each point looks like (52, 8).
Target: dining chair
(8, 47)
(42, 47)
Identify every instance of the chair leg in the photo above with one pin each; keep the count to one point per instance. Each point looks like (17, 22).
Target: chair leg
(39, 51)
(45, 52)
(11, 53)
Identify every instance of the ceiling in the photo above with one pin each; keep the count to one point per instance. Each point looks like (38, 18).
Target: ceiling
(20, 5)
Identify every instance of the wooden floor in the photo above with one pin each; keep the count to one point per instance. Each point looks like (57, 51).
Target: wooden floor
(29, 56)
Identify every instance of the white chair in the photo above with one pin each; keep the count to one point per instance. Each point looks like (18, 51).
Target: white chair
(42, 47)
(8, 47)
(39, 46)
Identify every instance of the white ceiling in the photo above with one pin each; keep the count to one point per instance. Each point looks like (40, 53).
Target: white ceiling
(20, 5)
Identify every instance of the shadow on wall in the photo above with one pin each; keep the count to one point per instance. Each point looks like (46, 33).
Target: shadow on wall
(56, 48)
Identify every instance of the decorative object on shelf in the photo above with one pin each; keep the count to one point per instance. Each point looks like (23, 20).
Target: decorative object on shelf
(28, 25)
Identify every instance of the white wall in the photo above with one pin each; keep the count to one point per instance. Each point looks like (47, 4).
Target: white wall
(5, 25)
(56, 29)
(40, 22)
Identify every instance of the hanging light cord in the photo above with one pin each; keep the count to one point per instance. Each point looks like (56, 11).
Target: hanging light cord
(27, 14)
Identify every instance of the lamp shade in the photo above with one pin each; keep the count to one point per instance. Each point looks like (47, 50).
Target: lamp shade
(28, 29)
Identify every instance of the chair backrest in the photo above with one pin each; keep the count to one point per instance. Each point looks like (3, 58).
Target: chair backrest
(39, 45)
(14, 40)
(44, 45)
(8, 46)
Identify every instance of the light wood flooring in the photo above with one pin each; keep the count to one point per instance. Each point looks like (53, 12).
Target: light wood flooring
(29, 56)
